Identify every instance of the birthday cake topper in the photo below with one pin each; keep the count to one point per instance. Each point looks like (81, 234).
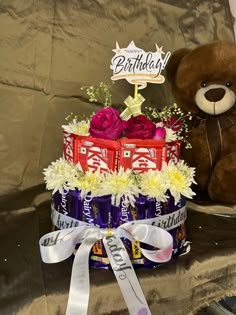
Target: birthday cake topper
(137, 66)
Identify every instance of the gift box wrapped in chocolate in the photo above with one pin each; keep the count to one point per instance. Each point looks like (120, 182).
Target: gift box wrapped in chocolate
(107, 179)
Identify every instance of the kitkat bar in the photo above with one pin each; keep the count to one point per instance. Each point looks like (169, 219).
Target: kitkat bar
(142, 155)
(173, 151)
(99, 154)
(71, 146)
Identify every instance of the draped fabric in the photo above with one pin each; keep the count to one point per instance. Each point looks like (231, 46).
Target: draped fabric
(49, 49)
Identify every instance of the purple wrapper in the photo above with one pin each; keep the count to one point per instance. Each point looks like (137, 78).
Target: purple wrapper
(103, 207)
(154, 208)
(122, 214)
(73, 203)
(141, 207)
(89, 213)
(67, 203)
(115, 215)
(125, 212)
(102, 213)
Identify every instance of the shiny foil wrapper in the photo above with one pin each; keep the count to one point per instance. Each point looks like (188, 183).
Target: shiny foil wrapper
(100, 212)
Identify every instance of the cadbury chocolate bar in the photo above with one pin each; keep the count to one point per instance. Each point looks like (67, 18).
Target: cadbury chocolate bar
(154, 208)
(67, 203)
(121, 214)
(102, 214)
(140, 207)
(87, 208)
(103, 208)
(73, 203)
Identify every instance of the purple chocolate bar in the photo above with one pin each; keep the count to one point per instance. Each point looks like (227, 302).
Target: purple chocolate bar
(103, 211)
(154, 208)
(100, 212)
(67, 203)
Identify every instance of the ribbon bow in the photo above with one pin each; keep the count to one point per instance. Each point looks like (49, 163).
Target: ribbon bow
(133, 106)
(59, 245)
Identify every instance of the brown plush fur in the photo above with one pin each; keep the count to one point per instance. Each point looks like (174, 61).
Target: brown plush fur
(210, 65)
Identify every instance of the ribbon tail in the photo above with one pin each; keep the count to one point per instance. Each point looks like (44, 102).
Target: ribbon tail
(80, 285)
(125, 275)
(154, 236)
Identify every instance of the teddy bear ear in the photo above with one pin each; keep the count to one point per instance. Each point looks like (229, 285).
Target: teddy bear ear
(174, 61)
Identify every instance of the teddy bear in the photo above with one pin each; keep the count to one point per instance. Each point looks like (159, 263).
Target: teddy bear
(203, 82)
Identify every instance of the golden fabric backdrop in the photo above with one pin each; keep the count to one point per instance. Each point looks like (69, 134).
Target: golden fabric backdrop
(48, 50)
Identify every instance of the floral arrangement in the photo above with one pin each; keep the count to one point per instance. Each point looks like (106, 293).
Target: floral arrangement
(169, 124)
(174, 178)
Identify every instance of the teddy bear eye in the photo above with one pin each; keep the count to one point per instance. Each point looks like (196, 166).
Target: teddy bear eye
(203, 84)
(228, 83)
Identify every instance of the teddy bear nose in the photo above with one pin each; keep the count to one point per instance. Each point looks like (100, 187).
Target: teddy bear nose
(215, 95)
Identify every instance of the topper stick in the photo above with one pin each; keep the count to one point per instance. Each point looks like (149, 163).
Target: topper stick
(135, 90)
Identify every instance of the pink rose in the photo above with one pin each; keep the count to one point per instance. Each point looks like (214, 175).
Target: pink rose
(173, 124)
(160, 133)
(107, 124)
(140, 127)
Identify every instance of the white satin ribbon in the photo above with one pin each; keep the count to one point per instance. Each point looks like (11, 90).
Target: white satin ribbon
(167, 222)
(59, 245)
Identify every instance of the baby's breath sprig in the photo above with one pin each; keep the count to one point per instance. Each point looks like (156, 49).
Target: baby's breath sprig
(100, 93)
(72, 117)
(166, 115)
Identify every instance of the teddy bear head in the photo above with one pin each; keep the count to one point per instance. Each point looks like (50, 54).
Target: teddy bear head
(204, 79)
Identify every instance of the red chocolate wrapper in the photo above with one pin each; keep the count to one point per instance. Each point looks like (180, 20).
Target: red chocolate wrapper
(94, 153)
(173, 151)
(71, 146)
(136, 155)
(100, 154)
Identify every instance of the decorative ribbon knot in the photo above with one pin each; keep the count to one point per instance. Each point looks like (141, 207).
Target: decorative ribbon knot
(133, 106)
(108, 232)
(59, 245)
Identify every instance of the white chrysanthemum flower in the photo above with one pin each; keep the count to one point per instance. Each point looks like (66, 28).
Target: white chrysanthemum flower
(59, 174)
(80, 128)
(170, 135)
(188, 172)
(178, 183)
(119, 185)
(90, 182)
(152, 184)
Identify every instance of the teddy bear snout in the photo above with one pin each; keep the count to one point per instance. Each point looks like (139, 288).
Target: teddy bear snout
(215, 95)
